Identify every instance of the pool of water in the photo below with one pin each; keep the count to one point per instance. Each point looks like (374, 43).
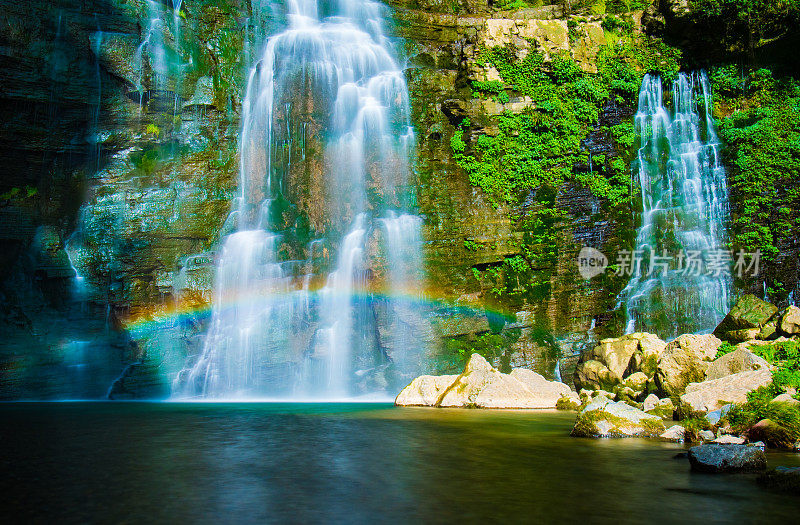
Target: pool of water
(350, 463)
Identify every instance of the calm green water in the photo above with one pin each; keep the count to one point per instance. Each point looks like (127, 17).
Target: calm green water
(353, 463)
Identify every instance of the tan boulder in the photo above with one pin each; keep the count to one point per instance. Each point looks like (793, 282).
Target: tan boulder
(684, 361)
(790, 321)
(740, 360)
(707, 396)
(650, 402)
(608, 363)
(482, 386)
(545, 393)
(786, 398)
(593, 375)
(424, 390)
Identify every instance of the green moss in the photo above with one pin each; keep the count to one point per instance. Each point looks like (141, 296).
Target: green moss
(586, 425)
(566, 403)
(694, 425)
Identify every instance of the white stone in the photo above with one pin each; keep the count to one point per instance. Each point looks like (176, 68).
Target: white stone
(712, 395)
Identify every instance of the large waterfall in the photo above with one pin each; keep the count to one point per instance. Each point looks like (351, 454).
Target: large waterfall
(680, 276)
(324, 154)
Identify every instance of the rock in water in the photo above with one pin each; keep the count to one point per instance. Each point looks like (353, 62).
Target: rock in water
(716, 458)
(482, 386)
(604, 418)
(749, 313)
(712, 395)
(424, 390)
(674, 433)
(740, 360)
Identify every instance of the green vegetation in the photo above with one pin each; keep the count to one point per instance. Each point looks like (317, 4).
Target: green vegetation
(760, 125)
(536, 152)
(784, 427)
(746, 25)
(693, 427)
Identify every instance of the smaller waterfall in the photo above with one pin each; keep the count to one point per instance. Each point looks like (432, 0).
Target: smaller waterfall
(685, 208)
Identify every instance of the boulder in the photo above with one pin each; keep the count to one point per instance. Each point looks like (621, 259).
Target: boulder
(684, 361)
(636, 381)
(715, 458)
(674, 433)
(593, 375)
(749, 312)
(768, 331)
(646, 356)
(743, 335)
(711, 395)
(790, 321)
(728, 439)
(740, 360)
(616, 354)
(424, 390)
(607, 364)
(650, 402)
(705, 435)
(663, 409)
(714, 416)
(482, 386)
(771, 433)
(604, 418)
(569, 402)
(786, 398)
(545, 393)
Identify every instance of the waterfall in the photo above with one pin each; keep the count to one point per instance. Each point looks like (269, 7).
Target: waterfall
(324, 153)
(685, 208)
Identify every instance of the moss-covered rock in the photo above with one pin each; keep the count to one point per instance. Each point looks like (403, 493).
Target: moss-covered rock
(604, 418)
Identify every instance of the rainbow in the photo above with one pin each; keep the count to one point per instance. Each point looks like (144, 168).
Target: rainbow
(144, 321)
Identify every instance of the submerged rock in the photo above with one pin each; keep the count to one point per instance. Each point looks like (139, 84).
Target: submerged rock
(604, 418)
(717, 458)
(782, 478)
(712, 395)
(483, 386)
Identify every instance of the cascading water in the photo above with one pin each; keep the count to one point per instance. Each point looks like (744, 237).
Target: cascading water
(685, 207)
(324, 154)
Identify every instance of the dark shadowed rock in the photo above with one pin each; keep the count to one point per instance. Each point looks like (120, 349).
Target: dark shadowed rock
(717, 458)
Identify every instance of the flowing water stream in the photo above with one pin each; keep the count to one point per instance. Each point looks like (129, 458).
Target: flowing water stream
(326, 104)
(685, 208)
